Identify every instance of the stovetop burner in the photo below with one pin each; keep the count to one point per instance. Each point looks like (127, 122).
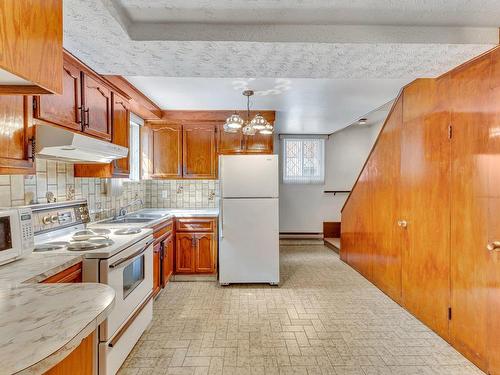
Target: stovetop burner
(87, 234)
(129, 230)
(51, 246)
(91, 244)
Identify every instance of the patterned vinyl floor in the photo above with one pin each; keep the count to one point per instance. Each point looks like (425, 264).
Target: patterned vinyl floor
(323, 319)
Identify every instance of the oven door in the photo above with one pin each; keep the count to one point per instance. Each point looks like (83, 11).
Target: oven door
(10, 237)
(130, 274)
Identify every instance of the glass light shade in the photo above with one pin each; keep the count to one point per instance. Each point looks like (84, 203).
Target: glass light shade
(234, 121)
(227, 129)
(249, 130)
(269, 129)
(259, 122)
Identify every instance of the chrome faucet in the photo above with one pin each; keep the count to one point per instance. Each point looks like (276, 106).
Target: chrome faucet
(123, 210)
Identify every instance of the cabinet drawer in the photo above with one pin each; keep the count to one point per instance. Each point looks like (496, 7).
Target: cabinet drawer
(161, 230)
(195, 225)
(72, 274)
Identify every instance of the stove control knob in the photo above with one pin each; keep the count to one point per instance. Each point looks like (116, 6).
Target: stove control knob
(54, 219)
(46, 220)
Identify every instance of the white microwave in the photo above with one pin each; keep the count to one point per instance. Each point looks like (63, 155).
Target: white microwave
(16, 233)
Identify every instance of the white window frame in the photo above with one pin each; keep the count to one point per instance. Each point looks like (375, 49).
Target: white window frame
(303, 178)
(134, 147)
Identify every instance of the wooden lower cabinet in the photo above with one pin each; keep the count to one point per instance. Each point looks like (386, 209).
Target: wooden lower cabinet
(195, 253)
(72, 274)
(184, 252)
(167, 268)
(79, 362)
(156, 268)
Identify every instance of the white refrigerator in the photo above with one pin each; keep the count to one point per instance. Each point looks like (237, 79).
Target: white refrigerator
(249, 221)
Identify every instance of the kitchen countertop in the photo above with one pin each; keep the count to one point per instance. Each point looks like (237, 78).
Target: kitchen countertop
(35, 267)
(40, 324)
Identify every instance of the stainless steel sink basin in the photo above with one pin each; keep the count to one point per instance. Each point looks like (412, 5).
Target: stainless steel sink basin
(144, 216)
(127, 220)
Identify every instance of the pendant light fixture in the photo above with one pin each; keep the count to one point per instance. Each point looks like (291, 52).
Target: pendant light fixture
(248, 127)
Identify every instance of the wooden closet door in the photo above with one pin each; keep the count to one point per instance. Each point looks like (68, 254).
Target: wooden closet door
(425, 203)
(475, 215)
(384, 182)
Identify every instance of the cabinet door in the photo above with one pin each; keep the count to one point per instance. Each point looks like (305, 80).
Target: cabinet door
(185, 252)
(167, 259)
(96, 99)
(425, 203)
(229, 143)
(121, 127)
(475, 219)
(156, 268)
(199, 156)
(204, 253)
(63, 110)
(72, 274)
(15, 150)
(259, 144)
(167, 151)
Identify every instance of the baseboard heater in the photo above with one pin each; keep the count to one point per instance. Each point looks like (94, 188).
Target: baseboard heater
(301, 235)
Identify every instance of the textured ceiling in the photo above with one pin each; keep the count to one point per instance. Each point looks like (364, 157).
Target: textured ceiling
(94, 34)
(384, 41)
(480, 13)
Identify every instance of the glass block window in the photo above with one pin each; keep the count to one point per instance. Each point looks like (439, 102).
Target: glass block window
(303, 160)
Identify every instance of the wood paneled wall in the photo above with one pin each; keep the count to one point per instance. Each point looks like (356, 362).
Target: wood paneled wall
(427, 203)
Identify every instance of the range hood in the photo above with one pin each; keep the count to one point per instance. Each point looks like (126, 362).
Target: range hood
(56, 143)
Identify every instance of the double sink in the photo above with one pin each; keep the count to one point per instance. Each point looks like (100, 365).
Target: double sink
(142, 216)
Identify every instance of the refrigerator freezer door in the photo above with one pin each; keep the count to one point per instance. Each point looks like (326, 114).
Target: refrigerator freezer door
(249, 241)
(249, 176)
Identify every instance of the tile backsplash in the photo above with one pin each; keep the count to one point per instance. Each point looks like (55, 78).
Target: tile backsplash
(182, 193)
(58, 178)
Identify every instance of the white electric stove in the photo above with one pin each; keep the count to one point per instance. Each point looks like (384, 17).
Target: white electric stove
(121, 257)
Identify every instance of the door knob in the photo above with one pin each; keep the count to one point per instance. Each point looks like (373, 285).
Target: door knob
(492, 246)
(402, 223)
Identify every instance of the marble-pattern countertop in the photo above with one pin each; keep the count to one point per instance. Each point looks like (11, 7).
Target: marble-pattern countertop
(35, 267)
(40, 324)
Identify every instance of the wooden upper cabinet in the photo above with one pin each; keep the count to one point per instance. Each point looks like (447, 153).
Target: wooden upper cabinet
(199, 156)
(121, 133)
(15, 135)
(96, 100)
(31, 48)
(259, 144)
(62, 109)
(166, 150)
(229, 143)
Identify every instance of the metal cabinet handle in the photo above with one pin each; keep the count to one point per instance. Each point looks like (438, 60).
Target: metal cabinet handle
(87, 117)
(493, 246)
(402, 223)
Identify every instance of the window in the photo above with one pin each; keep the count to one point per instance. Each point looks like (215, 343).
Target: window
(134, 149)
(303, 160)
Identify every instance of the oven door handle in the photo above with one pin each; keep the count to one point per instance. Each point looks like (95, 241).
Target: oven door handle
(131, 256)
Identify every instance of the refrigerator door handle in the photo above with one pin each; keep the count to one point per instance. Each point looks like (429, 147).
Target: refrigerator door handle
(221, 213)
